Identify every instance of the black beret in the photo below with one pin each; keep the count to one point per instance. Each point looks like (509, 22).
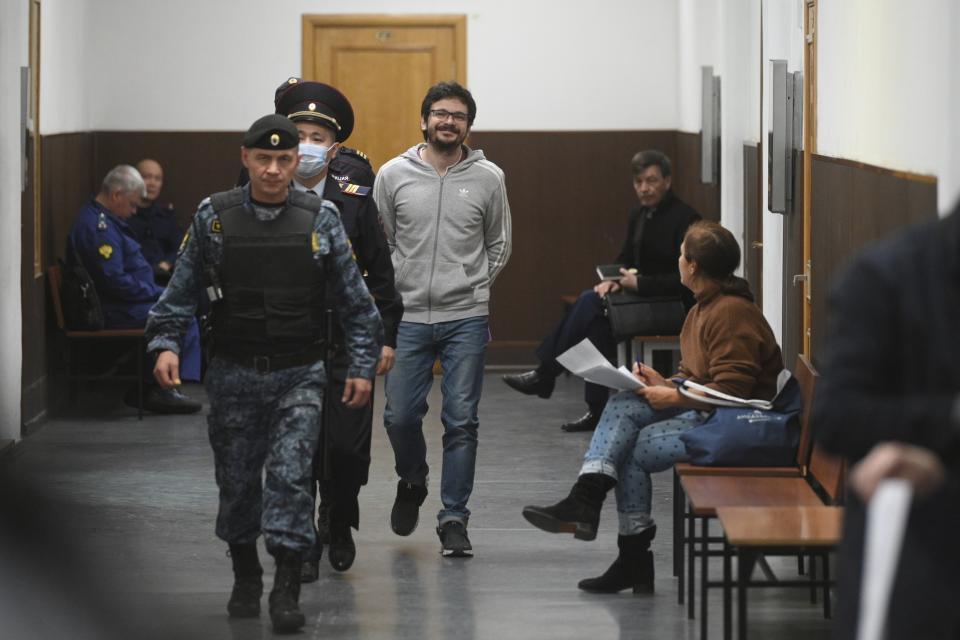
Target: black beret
(305, 101)
(273, 132)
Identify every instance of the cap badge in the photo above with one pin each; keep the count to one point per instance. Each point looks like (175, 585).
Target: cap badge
(274, 139)
(312, 106)
(292, 81)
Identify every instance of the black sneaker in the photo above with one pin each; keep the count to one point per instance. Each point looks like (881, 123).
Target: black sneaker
(454, 542)
(406, 507)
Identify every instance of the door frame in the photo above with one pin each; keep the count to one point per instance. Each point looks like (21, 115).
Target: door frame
(809, 149)
(311, 21)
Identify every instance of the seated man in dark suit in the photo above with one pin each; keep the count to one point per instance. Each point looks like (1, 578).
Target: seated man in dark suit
(651, 248)
(155, 225)
(101, 239)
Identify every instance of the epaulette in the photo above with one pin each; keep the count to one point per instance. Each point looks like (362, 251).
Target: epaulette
(353, 189)
(352, 166)
(350, 151)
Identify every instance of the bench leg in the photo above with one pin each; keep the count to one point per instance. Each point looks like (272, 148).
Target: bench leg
(745, 561)
(727, 591)
(813, 579)
(704, 565)
(691, 542)
(140, 350)
(826, 585)
(677, 528)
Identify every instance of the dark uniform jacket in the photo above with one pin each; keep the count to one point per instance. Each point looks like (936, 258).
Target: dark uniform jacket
(349, 181)
(891, 371)
(156, 229)
(108, 250)
(660, 232)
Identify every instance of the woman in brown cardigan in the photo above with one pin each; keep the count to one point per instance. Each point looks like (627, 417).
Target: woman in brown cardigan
(726, 344)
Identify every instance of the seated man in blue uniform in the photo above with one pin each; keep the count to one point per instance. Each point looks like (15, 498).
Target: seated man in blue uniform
(269, 257)
(102, 240)
(155, 224)
(657, 224)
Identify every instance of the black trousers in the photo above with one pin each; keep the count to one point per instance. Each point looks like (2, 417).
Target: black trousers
(584, 320)
(347, 439)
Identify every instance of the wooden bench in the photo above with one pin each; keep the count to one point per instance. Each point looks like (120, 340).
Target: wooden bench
(817, 483)
(755, 532)
(75, 338)
(806, 379)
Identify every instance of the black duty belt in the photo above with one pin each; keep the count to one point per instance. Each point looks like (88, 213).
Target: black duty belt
(267, 364)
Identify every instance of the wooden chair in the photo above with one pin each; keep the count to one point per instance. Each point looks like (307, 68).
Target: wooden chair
(75, 339)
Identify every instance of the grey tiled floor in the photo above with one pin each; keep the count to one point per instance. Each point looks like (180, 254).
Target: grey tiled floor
(138, 500)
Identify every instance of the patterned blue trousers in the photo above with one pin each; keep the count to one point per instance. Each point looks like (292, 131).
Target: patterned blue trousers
(265, 421)
(632, 441)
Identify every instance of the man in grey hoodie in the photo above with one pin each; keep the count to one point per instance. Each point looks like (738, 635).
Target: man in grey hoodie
(445, 213)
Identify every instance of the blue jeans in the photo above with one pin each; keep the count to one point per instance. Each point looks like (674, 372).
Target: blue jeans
(632, 441)
(461, 346)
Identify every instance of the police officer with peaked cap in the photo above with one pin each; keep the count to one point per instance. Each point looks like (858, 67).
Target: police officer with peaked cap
(324, 119)
(269, 257)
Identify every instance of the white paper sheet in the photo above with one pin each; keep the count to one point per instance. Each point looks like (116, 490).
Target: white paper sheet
(584, 360)
(886, 522)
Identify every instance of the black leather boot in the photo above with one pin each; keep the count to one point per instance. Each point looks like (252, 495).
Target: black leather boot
(633, 568)
(586, 422)
(285, 611)
(343, 550)
(247, 581)
(579, 512)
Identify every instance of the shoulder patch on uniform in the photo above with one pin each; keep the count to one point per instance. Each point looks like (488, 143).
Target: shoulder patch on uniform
(354, 189)
(214, 226)
(105, 250)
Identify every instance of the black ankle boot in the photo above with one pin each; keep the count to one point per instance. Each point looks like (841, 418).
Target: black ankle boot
(579, 512)
(633, 568)
(247, 581)
(343, 550)
(285, 597)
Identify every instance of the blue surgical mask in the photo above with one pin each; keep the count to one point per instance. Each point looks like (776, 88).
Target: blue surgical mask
(313, 160)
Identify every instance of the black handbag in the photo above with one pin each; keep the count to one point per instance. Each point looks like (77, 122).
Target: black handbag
(633, 315)
(81, 304)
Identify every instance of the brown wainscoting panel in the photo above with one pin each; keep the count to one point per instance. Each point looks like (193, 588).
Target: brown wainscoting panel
(752, 222)
(68, 181)
(705, 198)
(792, 340)
(852, 205)
(195, 163)
(569, 196)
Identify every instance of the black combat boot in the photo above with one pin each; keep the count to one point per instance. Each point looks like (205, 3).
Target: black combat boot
(633, 567)
(579, 512)
(285, 611)
(247, 581)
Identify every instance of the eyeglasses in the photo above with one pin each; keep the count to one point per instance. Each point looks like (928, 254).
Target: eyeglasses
(443, 114)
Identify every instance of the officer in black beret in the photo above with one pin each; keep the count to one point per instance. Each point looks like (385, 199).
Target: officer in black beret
(270, 258)
(324, 119)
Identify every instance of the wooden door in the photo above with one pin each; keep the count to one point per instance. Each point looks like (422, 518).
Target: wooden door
(384, 65)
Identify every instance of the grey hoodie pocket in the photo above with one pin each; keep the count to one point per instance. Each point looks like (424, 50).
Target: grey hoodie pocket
(450, 287)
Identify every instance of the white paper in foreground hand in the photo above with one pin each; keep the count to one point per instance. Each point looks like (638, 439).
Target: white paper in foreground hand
(886, 521)
(584, 360)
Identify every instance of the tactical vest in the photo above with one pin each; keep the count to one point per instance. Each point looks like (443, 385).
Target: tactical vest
(273, 290)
